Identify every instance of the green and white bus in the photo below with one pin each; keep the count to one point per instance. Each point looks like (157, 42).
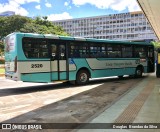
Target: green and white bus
(47, 58)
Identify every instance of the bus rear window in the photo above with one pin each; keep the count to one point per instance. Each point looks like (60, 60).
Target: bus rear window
(35, 48)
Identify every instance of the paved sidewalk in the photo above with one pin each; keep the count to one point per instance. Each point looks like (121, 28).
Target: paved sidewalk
(140, 105)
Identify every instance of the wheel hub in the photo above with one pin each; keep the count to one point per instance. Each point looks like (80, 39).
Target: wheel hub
(83, 77)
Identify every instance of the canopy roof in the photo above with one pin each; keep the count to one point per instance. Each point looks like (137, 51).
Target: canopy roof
(151, 9)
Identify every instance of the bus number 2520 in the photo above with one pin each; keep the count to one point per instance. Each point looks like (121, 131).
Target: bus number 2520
(36, 65)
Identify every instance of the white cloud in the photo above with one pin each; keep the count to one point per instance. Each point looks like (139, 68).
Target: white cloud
(24, 1)
(132, 5)
(64, 15)
(66, 3)
(15, 5)
(48, 5)
(118, 5)
(38, 7)
(98, 3)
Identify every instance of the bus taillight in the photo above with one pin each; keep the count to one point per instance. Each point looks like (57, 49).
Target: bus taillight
(15, 64)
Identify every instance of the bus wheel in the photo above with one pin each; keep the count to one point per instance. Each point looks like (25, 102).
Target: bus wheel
(82, 77)
(139, 72)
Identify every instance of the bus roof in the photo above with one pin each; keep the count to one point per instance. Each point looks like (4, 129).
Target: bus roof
(51, 36)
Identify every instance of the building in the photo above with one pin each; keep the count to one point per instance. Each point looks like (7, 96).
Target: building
(151, 10)
(131, 26)
(7, 13)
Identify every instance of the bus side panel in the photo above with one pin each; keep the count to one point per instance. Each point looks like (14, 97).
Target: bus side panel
(32, 70)
(75, 65)
(20, 54)
(35, 77)
(106, 67)
(54, 75)
(29, 69)
(114, 67)
(113, 72)
(72, 75)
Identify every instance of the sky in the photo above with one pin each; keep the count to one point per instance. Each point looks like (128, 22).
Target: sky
(68, 9)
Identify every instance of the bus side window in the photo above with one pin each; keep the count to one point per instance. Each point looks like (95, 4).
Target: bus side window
(114, 51)
(137, 54)
(43, 49)
(140, 52)
(76, 53)
(127, 51)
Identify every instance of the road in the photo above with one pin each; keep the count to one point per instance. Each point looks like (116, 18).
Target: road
(59, 102)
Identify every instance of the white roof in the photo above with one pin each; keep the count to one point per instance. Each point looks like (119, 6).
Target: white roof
(151, 9)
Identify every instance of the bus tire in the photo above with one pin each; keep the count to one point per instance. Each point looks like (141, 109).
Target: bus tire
(138, 72)
(82, 77)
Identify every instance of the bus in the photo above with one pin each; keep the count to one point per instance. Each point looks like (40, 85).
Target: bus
(33, 57)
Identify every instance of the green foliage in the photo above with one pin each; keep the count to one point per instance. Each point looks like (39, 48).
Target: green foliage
(2, 61)
(18, 23)
(1, 48)
(12, 24)
(156, 44)
(2, 71)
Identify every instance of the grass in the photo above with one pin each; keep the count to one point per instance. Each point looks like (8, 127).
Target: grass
(2, 70)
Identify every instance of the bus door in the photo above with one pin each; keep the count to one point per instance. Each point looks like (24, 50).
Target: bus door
(151, 64)
(59, 65)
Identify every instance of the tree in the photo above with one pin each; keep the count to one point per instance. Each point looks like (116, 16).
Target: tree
(156, 44)
(1, 48)
(17, 23)
(12, 24)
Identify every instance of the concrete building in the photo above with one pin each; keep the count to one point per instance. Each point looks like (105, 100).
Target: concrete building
(7, 13)
(151, 10)
(131, 26)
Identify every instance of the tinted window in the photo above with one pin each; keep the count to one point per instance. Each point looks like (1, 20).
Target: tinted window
(127, 51)
(97, 50)
(35, 48)
(140, 51)
(114, 51)
(79, 50)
